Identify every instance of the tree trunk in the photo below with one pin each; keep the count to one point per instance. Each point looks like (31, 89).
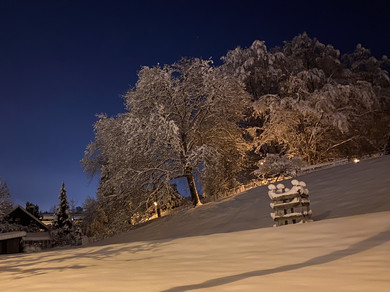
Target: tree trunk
(188, 174)
(387, 146)
(192, 187)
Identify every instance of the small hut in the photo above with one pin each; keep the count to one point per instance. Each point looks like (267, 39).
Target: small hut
(290, 206)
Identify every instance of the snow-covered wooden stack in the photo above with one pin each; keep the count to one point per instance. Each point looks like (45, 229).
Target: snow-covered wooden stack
(290, 205)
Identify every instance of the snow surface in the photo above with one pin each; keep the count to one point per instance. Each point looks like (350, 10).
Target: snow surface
(230, 246)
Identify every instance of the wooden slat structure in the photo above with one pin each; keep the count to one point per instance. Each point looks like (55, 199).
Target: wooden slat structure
(38, 239)
(290, 206)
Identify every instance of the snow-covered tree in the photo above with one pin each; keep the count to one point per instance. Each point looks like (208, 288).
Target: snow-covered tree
(33, 209)
(5, 199)
(361, 65)
(62, 220)
(94, 220)
(313, 126)
(310, 101)
(275, 167)
(262, 71)
(180, 119)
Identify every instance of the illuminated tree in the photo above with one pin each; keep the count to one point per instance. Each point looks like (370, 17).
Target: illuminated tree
(310, 101)
(180, 119)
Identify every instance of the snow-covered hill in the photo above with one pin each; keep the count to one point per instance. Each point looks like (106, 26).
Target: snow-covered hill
(230, 246)
(340, 191)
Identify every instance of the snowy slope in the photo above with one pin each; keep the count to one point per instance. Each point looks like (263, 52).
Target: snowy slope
(344, 190)
(223, 247)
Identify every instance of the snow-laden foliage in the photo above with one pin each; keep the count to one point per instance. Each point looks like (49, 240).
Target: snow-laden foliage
(314, 125)
(33, 210)
(259, 69)
(5, 199)
(62, 219)
(89, 216)
(303, 99)
(275, 167)
(310, 101)
(5, 208)
(181, 119)
(64, 231)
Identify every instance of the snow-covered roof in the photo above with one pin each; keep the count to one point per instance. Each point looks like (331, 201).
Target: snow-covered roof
(10, 235)
(39, 222)
(37, 236)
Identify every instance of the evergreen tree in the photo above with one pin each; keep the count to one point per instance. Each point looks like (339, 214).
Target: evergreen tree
(62, 219)
(5, 199)
(34, 210)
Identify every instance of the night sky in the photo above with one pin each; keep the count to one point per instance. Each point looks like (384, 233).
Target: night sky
(62, 62)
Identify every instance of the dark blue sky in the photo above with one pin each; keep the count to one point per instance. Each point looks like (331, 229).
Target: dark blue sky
(61, 62)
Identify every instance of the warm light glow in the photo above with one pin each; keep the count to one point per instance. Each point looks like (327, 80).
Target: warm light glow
(356, 160)
(155, 203)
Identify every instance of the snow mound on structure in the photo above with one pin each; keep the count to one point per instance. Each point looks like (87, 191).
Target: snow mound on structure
(340, 191)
